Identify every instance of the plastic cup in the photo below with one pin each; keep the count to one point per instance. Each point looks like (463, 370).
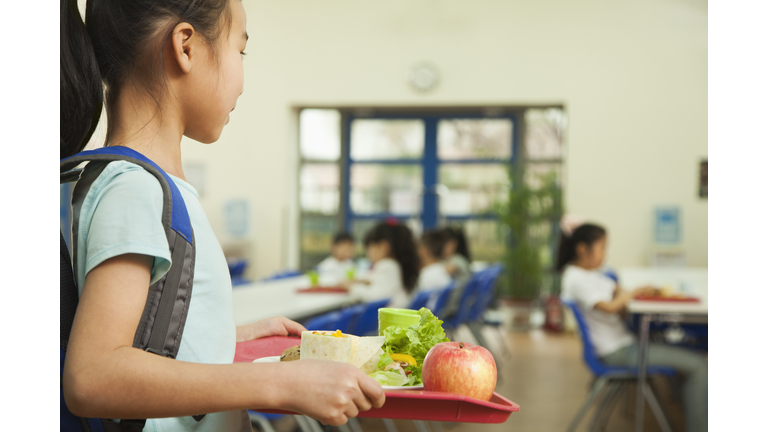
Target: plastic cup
(351, 274)
(397, 317)
(314, 278)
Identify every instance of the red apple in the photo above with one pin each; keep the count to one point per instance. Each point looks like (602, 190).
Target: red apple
(458, 367)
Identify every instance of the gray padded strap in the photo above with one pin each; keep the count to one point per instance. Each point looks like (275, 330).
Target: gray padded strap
(87, 177)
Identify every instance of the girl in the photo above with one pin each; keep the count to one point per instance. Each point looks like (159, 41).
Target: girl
(580, 257)
(457, 259)
(171, 68)
(392, 251)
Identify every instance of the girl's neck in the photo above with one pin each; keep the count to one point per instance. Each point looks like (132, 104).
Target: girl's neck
(155, 132)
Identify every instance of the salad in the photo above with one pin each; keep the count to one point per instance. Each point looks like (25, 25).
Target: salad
(405, 349)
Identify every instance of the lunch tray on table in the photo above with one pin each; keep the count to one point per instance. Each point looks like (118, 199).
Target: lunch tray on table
(322, 289)
(669, 299)
(400, 404)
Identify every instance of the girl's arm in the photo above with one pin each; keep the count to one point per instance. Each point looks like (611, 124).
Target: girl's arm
(275, 326)
(621, 298)
(105, 377)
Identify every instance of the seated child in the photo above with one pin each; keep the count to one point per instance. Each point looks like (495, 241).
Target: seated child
(392, 251)
(333, 270)
(433, 274)
(457, 259)
(602, 300)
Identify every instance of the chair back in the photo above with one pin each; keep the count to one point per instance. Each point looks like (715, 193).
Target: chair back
(420, 299)
(465, 302)
(590, 356)
(367, 322)
(439, 299)
(338, 320)
(484, 294)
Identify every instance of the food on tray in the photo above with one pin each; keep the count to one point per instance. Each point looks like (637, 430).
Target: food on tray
(405, 348)
(458, 367)
(291, 354)
(360, 352)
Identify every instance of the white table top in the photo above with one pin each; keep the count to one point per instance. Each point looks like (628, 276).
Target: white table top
(686, 280)
(261, 300)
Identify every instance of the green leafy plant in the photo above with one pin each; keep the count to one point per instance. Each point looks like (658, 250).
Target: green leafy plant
(528, 217)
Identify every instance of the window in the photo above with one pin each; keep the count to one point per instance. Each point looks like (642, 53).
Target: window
(426, 168)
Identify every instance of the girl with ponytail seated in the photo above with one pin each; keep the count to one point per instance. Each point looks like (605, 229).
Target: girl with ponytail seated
(601, 300)
(391, 249)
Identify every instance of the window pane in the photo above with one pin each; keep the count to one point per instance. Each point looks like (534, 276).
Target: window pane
(319, 135)
(319, 188)
(392, 189)
(486, 240)
(544, 131)
(536, 174)
(474, 139)
(316, 237)
(387, 139)
(472, 188)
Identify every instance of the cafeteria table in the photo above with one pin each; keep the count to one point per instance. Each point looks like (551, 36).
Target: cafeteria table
(690, 281)
(264, 299)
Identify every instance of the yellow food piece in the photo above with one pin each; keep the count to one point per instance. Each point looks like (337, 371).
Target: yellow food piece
(403, 358)
(339, 334)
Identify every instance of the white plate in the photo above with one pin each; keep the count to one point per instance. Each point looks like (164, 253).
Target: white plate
(276, 359)
(271, 359)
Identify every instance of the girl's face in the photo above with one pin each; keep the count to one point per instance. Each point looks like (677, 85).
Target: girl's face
(450, 248)
(218, 83)
(591, 257)
(377, 251)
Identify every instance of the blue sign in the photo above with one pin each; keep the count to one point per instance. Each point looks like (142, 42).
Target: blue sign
(236, 218)
(668, 225)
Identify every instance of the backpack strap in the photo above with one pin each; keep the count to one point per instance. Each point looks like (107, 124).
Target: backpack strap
(165, 311)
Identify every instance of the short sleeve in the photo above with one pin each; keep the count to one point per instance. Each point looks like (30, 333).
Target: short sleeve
(121, 214)
(583, 288)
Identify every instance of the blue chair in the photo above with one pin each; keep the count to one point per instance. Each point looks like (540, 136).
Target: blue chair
(283, 275)
(465, 303)
(613, 379)
(483, 298)
(421, 299)
(439, 300)
(368, 320)
(343, 319)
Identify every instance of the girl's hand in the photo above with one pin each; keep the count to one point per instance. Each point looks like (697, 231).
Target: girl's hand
(646, 291)
(451, 268)
(275, 326)
(331, 392)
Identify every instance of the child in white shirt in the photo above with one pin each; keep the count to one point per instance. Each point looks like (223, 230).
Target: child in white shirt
(334, 269)
(392, 251)
(457, 258)
(433, 274)
(601, 301)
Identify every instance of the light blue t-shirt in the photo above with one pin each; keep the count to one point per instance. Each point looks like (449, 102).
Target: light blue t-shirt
(122, 214)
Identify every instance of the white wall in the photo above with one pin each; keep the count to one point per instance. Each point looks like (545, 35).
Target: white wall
(632, 76)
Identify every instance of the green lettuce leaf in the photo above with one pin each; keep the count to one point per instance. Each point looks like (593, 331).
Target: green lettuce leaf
(415, 341)
(389, 378)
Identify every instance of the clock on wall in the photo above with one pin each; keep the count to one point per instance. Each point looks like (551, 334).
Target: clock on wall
(423, 77)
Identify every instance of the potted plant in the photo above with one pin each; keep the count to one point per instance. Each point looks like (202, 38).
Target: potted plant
(528, 216)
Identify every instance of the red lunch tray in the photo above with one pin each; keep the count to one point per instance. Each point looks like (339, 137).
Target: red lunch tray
(320, 290)
(669, 299)
(400, 404)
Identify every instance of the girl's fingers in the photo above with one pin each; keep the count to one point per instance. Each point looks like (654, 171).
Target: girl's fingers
(293, 327)
(373, 391)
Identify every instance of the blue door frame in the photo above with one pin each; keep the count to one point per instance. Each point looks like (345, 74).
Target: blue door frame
(429, 162)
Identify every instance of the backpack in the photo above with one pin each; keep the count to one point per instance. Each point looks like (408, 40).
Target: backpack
(162, 321)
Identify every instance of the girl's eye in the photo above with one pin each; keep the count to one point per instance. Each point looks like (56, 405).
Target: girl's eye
(243, 53)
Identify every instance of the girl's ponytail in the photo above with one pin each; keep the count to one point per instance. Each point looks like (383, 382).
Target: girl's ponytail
(586, 233)
(81, 93)
(402, 247)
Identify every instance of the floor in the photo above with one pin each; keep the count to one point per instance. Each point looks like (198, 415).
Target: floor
(544, 374)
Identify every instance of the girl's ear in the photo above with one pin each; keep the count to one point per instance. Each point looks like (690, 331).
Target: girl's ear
(184, 45)
(581, 250)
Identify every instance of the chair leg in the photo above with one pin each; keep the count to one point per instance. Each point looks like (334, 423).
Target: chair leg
(354, 424)
(477, 332)
(390, 425)
(261, 422)
(605, 401)
(656, 408)
(597, 387)
(657, 393)
(304, 425)
(421, 426)
(603, 421)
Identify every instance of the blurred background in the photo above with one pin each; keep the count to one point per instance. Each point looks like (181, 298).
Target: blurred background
(445, 113)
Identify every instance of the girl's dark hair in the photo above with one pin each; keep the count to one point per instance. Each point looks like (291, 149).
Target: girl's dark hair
(402, 247)
(121, 42)
(343, 237)
(434, 241)
(586, 233)
(462, 246)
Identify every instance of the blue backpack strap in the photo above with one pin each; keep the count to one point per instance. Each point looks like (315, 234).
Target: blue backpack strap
(162, 322)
